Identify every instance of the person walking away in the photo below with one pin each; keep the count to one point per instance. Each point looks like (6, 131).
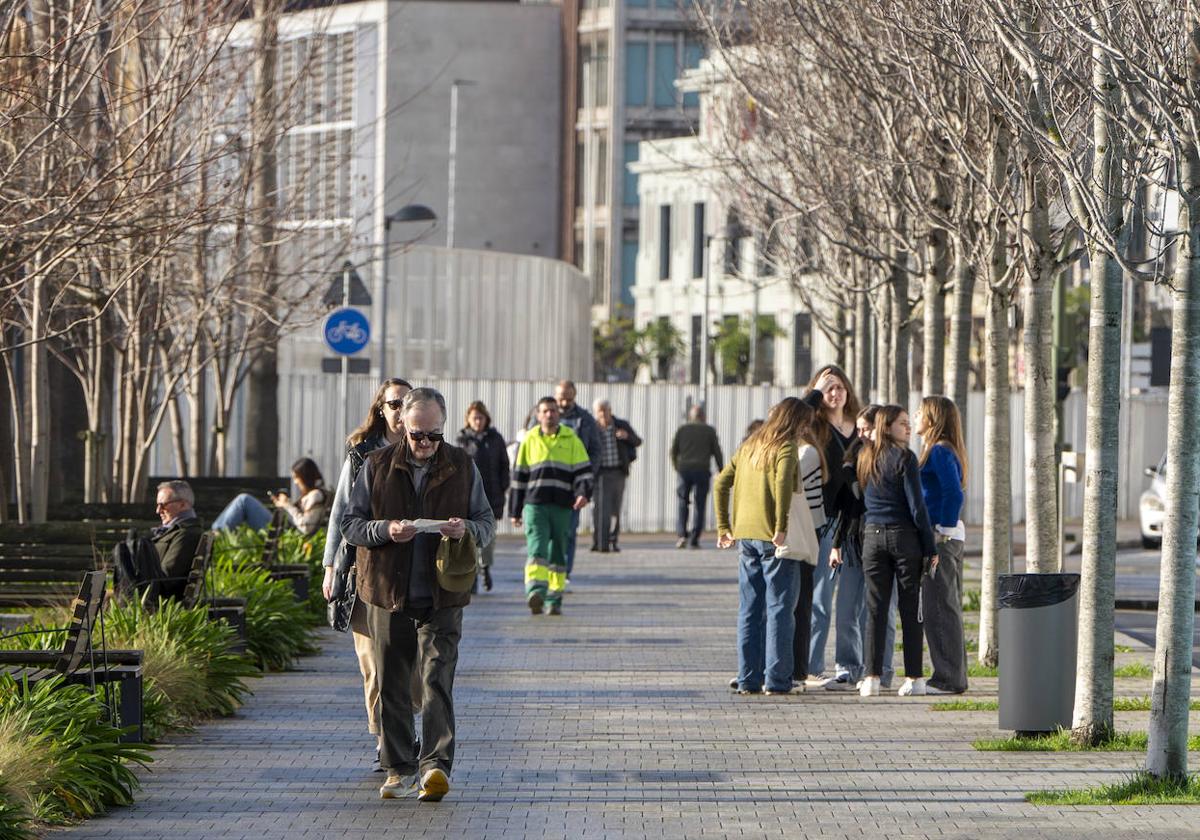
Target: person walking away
(833, 396)
(760, 479)
(618, 449)
(943, 477)
(307, 516)
(846, 553)
(897, 538)
(693, 449)
(479, 439)
(382, 427)
(408, 608)
(576, 418)
(552, 479)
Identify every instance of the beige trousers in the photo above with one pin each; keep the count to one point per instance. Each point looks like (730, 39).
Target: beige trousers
(366, 664)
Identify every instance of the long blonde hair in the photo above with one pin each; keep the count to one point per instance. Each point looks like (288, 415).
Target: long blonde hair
(870, 457)
(790, 421)
(945, 427)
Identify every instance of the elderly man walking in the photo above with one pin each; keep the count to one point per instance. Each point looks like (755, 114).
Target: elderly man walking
(693, 450)
(577, 419)
(408, 609)
(618, 449)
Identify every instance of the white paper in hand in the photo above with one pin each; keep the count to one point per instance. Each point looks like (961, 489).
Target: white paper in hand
(429, 526)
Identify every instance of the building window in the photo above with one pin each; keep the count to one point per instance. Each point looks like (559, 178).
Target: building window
(733, 242)
(637, 66)
(801, 348)
(600, 167)
(629, 252)
(768, 243)
(698, 242)
(666, 69)
(599, 255)
(667, 4)
(697, 345)
(630, 189)
(664, 242)
(764, 358)
(600, 72)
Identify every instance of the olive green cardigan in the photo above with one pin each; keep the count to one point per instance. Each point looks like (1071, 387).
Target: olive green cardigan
(761, 496)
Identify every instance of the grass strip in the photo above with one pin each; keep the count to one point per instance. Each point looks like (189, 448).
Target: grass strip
(1139, 789)
(1060, 741)
(966, 706)
(1134, 669)
(974, 669)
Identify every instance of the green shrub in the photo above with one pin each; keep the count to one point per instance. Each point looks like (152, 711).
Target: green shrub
(190, 671)
(278, 628)
(59, 758)
(972, 599)
(244, 547)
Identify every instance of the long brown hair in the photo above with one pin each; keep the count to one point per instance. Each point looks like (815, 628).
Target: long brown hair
(945, 427)
(850, 409)
(789, 421)
(870, 457)
(374, 425)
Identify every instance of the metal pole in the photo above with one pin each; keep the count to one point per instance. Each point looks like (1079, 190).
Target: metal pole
(704, 325)
(453, 154)
(383, 302)
(345, 359)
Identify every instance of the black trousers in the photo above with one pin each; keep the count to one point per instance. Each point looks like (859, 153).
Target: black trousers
(800, 639)
(892, 554)
(397, 637)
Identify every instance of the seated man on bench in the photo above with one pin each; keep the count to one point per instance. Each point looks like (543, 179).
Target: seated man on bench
(159, 566)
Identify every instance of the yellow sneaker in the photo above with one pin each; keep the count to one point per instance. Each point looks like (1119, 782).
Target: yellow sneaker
(434, 785)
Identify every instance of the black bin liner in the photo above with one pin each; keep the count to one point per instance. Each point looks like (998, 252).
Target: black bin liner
(1025, 591)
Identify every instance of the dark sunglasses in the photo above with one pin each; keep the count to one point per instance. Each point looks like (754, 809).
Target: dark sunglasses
(420, 437)
(394, 405)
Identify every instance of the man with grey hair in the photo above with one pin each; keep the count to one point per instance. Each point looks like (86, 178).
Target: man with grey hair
(176, 539)
(693, 450)
(414, 620)
(618, 444)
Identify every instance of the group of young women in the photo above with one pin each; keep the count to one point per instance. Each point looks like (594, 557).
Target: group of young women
(887, 537)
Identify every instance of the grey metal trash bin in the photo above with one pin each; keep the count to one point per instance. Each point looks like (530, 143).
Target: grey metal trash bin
(1039, 619)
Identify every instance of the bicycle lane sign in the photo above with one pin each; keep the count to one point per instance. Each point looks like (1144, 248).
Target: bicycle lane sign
(347, 331)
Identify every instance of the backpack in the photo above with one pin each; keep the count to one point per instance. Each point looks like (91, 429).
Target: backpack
(136, 568)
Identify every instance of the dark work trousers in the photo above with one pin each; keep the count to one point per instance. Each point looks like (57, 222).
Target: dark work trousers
(692, 483)
(941, 597)
(800, 639)
(606, 507)
(892, 555)
(403, 639)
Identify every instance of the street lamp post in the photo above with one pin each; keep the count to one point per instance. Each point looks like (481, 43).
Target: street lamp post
(407, 213)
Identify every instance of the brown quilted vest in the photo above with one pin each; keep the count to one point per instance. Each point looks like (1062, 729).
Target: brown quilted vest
(383, 571)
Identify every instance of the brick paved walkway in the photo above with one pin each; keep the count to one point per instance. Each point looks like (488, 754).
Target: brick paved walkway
(615, 721)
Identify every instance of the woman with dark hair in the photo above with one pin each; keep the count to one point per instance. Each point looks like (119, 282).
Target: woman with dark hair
(897, 539)
(307, 515)
(832, 395)
(381, 427)
(488, 450)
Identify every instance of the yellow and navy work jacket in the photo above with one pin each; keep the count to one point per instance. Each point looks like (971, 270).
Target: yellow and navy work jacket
(550, 470)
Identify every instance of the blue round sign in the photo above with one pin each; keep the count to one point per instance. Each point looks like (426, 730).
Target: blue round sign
(347, 331)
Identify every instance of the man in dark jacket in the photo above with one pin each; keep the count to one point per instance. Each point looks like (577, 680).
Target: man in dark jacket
(415, 478)
(176, 539)
(618, 449)
(693, 450)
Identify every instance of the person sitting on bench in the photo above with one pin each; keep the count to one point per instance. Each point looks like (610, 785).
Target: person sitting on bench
(176, 539)
(308, 516)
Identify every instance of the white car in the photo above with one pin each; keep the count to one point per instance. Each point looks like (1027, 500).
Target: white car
(1152, 506)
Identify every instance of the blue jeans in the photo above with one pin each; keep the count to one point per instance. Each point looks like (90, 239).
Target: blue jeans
(768, 589)
(824, 582)
(243, 510)
(851, 621)
(697, 483)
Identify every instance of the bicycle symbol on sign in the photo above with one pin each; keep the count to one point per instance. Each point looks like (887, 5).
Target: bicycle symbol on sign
(346, 331)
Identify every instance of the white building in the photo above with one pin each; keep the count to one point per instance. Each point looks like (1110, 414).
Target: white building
(690, 240)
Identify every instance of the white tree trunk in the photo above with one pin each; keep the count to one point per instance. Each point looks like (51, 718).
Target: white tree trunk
(39, 405)
(936, 275)
(1093, 719)
(884, 373)
(958, 356)
(1170, 694)
(1041, 474)
(862, 343)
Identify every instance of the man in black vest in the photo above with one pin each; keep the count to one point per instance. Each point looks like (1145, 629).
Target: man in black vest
(418, 477)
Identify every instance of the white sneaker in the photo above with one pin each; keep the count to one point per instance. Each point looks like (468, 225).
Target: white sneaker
(398, 786)
(817, 681)
(869, 687)
(912, 687)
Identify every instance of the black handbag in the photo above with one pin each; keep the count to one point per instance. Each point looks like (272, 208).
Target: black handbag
(344, 596)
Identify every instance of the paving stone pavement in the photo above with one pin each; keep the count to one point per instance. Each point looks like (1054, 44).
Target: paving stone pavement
(615, 720)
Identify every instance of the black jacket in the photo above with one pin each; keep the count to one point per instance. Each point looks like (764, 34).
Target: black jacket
(176, 547)
(489, 452)
(627, 448)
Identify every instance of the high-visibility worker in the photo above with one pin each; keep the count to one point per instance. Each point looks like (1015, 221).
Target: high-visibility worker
(552, 476)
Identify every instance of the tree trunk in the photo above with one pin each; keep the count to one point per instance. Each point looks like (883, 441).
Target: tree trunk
(862, 343)
(958, 359)
(884, 374)
(1041, 474)
(20, 452)
(900, 330)
(39, 404)
(1093, 718)
(936, 275)
(1166, 755)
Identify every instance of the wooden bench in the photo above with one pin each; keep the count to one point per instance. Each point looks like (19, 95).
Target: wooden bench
(81, 663)
(297, 574)
(42, 565)
(198, 591)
